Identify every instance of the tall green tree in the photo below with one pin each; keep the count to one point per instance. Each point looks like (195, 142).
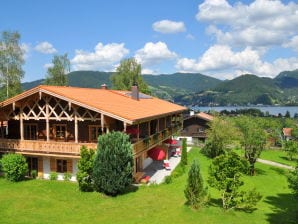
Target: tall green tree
(11, 61)
(220, 135)
(253, 139)
(127, 74)
(184, 152)
(225, 175)
(57, 74)
(113, 164)
(195, 192)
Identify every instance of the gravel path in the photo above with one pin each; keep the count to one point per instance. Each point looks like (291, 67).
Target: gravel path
(275, 164)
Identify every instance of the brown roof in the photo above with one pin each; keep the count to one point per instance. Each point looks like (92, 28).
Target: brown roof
(119, 104)
(287, 131)
(205, 116)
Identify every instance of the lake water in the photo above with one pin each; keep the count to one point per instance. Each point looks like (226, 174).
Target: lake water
(273, 110)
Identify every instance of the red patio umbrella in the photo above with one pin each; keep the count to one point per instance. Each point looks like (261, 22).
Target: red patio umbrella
(172, 142)
(157, 153)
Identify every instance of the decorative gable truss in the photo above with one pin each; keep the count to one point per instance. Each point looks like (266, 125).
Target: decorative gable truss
(51, 108)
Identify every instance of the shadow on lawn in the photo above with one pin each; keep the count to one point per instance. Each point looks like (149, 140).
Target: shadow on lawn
(280, 171)
(287, 159)
(259, 171)
(284, 207)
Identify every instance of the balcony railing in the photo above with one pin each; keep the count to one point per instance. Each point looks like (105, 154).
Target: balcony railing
(43, 146)
(154, 139)
(72, 148)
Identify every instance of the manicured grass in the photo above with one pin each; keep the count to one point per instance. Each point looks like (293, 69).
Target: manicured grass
(40, 201)
(279, 156)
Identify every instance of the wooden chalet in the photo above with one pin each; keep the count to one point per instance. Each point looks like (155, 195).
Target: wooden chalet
(49, 124)
(195, 126)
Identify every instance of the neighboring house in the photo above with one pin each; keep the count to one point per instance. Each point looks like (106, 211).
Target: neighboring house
(287, 133)
(49, 124)
(195, 126)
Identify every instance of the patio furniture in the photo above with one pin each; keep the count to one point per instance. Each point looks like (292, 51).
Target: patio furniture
(166, 165)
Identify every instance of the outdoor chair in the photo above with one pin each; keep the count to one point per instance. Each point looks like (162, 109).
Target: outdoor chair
(166, 164)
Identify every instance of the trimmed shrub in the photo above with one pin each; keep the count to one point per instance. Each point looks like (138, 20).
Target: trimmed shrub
(14, 167)
(168, 179)
(67, 176)
(85, 166)
(53, 176)
(113, 164)
(34, 174)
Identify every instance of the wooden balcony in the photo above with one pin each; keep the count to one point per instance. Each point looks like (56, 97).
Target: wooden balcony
(43, 147)
(72, 149)
(154, 140)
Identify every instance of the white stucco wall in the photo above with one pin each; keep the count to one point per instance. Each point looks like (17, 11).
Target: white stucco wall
(74, 169)
(47, 169)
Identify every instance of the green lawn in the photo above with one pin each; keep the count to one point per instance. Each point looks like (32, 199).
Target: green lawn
(41, 201)
(278, 155)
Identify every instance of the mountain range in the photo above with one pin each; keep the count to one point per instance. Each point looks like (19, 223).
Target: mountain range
(202, 90)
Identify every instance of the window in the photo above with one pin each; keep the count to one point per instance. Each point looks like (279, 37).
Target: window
(61, 165)
(32, 164)
(60, 131)
(94, 132)
(30, 131)
(201, 129)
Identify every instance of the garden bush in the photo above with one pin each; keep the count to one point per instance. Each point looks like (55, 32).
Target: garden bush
(14, 167)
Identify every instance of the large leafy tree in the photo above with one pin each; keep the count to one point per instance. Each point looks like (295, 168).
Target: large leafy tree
(220, 135)
(128, 73)
(225, 175)
(56, 75)
(195, 192)
(113, 164)
(253, 139)
(11, 61)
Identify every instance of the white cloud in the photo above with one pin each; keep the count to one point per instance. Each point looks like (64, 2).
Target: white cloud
(293, 43)
(154, 53)
(225, 63)
(147, 71)
(45, 48)
(190, 37)
(48, 65)
(104, 57)
(261, 23)
(168, 26)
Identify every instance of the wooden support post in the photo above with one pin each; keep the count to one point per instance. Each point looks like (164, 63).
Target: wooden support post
(47, 120)
(124, 127)
(102, 122)
(21, 124)
(76, 128)
(138, 133)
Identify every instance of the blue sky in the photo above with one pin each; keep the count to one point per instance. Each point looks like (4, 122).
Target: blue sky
(223, 39)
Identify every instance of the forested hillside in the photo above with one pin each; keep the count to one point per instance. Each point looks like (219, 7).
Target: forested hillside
(198, 89)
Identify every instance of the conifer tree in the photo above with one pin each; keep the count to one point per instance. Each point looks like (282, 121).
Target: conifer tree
(113, 164)
(195, 192)
(184, 152)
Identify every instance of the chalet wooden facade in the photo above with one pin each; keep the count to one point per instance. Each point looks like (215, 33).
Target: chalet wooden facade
(49, 124)
(196, 125)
